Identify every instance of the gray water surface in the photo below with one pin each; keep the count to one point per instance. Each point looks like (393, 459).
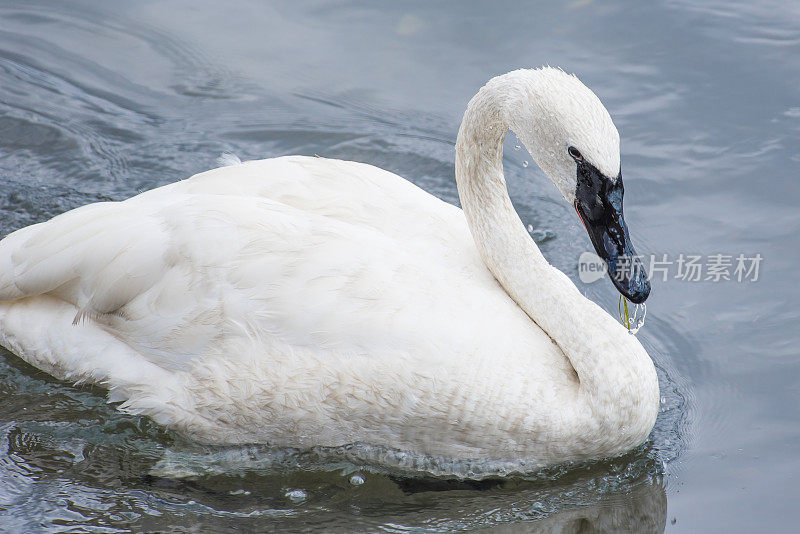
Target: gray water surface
(101, 100)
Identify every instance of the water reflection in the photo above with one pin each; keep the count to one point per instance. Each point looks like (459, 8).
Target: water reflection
(57, 481)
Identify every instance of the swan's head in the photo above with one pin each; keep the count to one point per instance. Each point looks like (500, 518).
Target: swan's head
(571, 136)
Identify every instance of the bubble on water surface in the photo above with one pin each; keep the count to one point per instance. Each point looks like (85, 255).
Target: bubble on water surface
(296, 495)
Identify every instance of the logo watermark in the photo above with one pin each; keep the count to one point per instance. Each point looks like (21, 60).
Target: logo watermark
(684, 267)
(591, 267)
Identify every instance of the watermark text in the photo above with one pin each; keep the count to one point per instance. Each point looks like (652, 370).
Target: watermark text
(685, 267)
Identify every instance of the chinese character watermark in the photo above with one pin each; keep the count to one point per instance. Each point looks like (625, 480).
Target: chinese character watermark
(684, 267)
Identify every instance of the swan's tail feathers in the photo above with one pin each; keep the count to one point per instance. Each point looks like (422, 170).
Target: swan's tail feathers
(8, 289)
(9, 248)
(34, 261)
(228, 159)
(86, 314)
(97, 257)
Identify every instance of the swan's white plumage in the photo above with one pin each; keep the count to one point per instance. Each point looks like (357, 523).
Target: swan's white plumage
(305, 301)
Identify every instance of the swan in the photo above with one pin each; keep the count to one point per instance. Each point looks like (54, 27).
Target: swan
(303, 301)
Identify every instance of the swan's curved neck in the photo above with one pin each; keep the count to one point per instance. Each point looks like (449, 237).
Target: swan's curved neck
(607, 360)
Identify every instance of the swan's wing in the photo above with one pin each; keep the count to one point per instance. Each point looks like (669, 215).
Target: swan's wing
(182, 275)
(91, 241)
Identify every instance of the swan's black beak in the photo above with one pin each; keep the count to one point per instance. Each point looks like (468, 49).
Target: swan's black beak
(598, 201)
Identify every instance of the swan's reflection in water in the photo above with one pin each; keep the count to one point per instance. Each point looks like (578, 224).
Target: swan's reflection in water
(640, 509)
(622, 495)
(551, 507)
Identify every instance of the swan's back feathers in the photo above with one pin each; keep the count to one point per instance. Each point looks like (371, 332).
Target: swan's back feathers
(117, 244)
(347, 191)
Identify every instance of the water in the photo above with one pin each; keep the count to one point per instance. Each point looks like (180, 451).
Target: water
(632, 315)
(103, 100)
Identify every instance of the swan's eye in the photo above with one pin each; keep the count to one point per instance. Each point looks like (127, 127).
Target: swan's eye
(575, 153)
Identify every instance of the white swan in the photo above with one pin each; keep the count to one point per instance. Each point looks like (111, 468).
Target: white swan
(304, 301)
